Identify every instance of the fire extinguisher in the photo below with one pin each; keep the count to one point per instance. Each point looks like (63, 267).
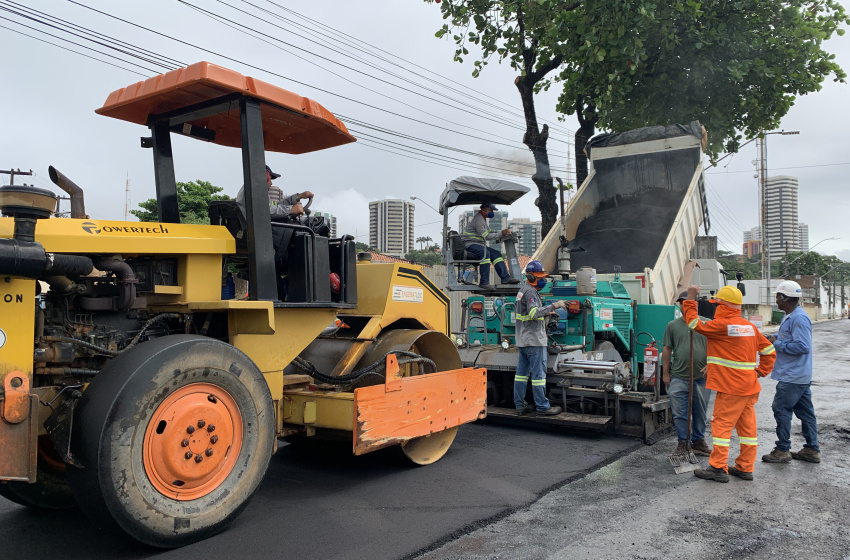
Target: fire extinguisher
(650, 363)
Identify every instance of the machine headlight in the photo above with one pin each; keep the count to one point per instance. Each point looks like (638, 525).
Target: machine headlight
(505, 345)
(618, 388)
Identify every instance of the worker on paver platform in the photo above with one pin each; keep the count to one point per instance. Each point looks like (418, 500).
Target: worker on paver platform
(532, 342)
(675, 358)
(793, 375)
(737, 355)
(475, 236)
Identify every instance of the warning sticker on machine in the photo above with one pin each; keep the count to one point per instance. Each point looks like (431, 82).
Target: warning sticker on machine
(408, 294)
(606, 314)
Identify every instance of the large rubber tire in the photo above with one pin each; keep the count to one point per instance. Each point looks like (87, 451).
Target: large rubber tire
(51, 490)
(129, 434)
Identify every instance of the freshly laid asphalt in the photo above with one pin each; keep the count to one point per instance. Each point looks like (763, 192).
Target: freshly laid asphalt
(326, 503)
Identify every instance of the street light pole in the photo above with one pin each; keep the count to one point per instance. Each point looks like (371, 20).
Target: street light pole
(788, 264)
(425, 203)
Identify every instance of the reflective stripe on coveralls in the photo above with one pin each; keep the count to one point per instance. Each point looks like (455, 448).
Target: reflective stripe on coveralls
(730, 363)
(530, 315)
(738, 412)
(520, 378)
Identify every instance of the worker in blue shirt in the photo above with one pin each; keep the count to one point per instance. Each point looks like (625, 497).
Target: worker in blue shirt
(793, 375)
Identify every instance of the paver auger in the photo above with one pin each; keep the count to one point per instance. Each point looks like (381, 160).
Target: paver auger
(130, 385)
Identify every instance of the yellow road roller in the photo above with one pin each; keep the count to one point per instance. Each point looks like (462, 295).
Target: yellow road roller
(134, 384)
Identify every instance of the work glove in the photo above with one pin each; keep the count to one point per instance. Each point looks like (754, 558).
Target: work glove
(560, 304)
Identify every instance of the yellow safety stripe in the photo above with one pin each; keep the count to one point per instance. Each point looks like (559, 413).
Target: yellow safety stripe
(730, 363)
(485, 261)
(769, 350)
(538, 382)
(520, 378)
(720, 441)
(529, 316)
(498, 260)
(748, 440)
(693, 324)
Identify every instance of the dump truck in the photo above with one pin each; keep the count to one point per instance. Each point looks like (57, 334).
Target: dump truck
(619, 256)
(135, 385)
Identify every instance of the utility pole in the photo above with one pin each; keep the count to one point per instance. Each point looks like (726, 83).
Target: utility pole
(761, 143)
(762, 176)
(13, 172)
(127, 198)
(843, 301)
(833, 294)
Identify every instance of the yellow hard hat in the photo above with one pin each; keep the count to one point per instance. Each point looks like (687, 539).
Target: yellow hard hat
(729, 294)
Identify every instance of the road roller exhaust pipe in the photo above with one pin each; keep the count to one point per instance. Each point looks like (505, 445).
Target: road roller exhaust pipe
(78, 203)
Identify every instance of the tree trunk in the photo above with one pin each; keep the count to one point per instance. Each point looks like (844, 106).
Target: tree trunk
(536, 141)
(586, 129)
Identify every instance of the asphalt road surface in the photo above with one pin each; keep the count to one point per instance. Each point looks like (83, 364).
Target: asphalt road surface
(326, 503)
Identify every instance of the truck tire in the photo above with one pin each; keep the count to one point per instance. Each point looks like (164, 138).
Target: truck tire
(175, 435)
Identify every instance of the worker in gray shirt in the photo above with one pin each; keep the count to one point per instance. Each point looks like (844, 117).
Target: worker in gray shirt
(475, 236)
(532, 342)
(280, 206)
(675, 359)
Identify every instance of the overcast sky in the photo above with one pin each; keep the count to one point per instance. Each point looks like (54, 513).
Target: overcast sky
(49, 95)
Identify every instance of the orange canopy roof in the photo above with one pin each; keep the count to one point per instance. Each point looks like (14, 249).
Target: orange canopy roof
(291, 124)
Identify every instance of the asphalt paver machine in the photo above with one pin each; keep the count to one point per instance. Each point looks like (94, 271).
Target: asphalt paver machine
(131, 385)
(619, 256)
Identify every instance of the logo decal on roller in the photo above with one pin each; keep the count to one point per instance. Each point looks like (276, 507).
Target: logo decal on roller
(2, 338)
(409, 294)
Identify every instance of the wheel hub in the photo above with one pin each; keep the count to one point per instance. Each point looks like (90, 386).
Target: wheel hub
(192, 441)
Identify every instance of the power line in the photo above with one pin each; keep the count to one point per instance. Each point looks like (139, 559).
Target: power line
(128, 49)
(780, 168)
(66, 48)
(492, 118)
(91, 39)
(279, 75)
(407, 64)
(250, 32)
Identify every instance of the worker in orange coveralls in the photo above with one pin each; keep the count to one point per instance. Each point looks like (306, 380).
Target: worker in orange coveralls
(733, 343)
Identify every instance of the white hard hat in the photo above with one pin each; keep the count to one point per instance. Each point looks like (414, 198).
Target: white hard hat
(790, 289)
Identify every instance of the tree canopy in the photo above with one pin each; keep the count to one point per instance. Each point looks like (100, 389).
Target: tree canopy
(734, 65)
(193, 200)
(423, 257)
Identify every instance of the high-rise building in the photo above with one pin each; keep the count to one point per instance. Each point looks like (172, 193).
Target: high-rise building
(391, 226)
(331, 220)
(753, 234)
(529, 235)
(780, 216)
(497, 223)
(803, 237)
(752, 248)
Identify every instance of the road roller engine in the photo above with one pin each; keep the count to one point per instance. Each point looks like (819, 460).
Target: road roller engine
(135, 385)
